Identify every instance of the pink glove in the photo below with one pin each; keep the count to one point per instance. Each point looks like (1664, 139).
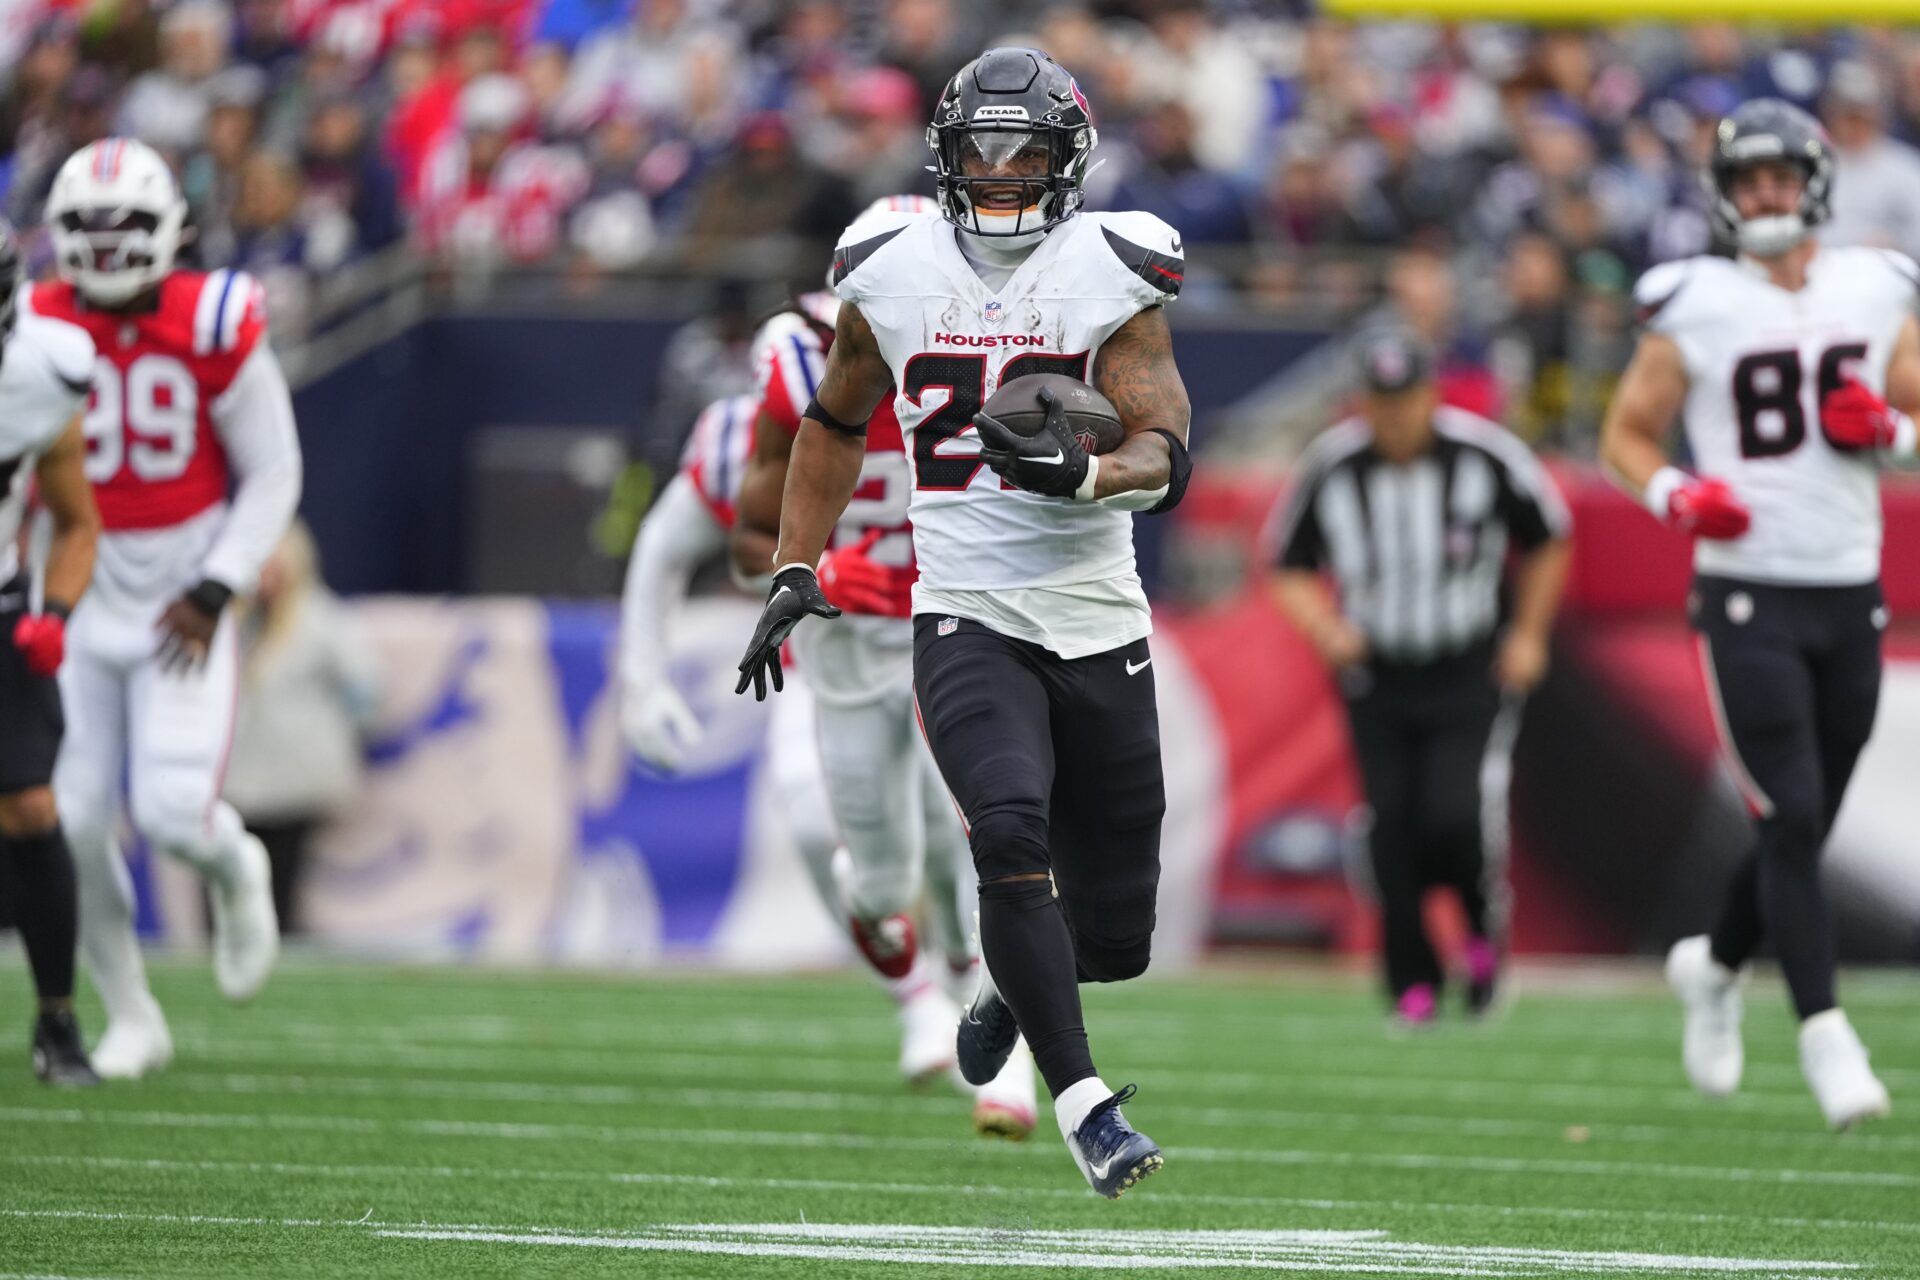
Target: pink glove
(1707, 509)
(41, 639)
(1856, 418)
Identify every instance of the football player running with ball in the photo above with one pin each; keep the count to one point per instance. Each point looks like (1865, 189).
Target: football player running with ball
(1031, 669)
(1797, 366)
(196, 468)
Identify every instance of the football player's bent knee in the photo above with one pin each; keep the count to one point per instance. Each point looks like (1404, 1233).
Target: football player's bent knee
(172, 810)
(1106, 961)
(29, 812)
(1010, 842)
(1793, 830)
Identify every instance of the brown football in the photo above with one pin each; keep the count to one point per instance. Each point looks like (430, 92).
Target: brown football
(1095, 421)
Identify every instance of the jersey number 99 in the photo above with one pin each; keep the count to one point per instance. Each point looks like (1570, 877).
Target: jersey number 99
(146, 421)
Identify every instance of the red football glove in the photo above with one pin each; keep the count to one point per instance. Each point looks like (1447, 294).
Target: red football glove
(1856, 418)
(851, 580)
(1707, 509)
(41, 639)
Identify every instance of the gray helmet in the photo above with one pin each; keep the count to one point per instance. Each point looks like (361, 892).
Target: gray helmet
(1761, 131)
(1002, 102)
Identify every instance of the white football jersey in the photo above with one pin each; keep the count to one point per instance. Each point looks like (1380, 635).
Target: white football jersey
(1053, 571)
(46, 367)
(1759, 360)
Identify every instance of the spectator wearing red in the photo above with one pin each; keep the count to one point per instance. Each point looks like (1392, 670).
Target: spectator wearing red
(490, 191)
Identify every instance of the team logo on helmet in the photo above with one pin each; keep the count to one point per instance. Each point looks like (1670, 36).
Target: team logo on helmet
(1080, 99)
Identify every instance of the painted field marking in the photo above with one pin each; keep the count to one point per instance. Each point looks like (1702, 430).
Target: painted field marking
(1323, 1252)
(720, 1182)
(542, 1132)
(228, 1083)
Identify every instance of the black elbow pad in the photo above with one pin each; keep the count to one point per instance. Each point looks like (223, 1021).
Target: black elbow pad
(1179, 471)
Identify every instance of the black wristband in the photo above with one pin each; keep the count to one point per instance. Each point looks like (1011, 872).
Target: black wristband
(210, 597)
(1179, 471)
(831, 423)
(56, 608)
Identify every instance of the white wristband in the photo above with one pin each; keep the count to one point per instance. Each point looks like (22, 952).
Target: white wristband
(1906, 437)
(1085, 492)
(779, 569)
(1658, 495)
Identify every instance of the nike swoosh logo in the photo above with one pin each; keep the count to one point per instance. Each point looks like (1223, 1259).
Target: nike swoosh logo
(1132, 670)
(782, 591)
(1049, 461)
(1100, 1170)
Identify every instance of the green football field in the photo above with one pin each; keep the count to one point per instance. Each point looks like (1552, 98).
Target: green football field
(364, 1121)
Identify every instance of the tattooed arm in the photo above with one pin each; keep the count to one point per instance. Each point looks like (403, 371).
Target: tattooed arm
(1135, 370)
(825, 464)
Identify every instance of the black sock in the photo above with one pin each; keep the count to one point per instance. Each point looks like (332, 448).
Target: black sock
(1029, 951)
(46, 907)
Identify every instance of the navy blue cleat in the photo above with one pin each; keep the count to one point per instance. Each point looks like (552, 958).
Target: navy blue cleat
(1110, 1152)
(986, 1037)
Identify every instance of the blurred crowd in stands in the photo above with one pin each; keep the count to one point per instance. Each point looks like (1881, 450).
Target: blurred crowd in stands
(1503, 185)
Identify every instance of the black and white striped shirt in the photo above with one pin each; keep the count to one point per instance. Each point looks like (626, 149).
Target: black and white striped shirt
(1418, 548)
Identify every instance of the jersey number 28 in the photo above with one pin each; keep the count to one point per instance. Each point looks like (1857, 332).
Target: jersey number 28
(1767, 392)
(964, 379)
(147, 421)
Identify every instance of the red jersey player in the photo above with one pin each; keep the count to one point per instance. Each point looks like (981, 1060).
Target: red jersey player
(195, 465)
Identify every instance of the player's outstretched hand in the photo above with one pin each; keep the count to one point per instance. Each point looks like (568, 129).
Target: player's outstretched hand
(1855, 417)
(794, 595)
(41, 639)
(660, 728)
(1708, 509)
(1052, 461)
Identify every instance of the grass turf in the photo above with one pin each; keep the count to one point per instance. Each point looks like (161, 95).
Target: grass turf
(449, 1123)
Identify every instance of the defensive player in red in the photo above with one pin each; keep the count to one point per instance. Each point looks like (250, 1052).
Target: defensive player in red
(195, 465)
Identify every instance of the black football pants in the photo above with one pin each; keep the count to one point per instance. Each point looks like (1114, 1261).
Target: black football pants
(1055, 765)
(1432, 742)
(1794, 676)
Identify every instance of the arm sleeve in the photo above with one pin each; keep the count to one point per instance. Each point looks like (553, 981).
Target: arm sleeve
(1530, 502)
(677, 535)
(254, 418)
(1297, 540)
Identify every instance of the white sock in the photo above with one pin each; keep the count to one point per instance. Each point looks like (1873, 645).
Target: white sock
(918, 980)
(1077, 1101)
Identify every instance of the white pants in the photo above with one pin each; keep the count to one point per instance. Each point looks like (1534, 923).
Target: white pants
(894, 815)
(168, 734)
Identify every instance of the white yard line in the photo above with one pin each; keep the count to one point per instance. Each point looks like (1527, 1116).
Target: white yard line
(547, 1132)
(717, 1182)
(1362, 1252)
(1554, 1130)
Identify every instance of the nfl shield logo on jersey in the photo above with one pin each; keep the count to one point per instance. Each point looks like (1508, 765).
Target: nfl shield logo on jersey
(993, 313)
(948, 626)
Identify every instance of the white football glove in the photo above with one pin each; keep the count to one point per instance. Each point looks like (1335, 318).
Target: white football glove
(661, 729)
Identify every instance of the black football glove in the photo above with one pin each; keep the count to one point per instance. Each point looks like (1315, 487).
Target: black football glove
(1051, 461)
(795, 594)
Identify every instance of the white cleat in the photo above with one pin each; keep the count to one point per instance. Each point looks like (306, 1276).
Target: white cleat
(1006, 1106)
(927, 1023)
(246, 932)
(134, 1045)
(1835, 1065)
(1710, 993)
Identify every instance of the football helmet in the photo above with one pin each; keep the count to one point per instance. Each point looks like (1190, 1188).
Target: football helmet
(117, 218)
(1018, 120)
(1764, 130)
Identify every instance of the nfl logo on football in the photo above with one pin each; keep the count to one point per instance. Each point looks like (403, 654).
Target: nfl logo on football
(993, 313)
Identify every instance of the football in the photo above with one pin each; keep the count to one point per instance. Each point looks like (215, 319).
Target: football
(1095, 421)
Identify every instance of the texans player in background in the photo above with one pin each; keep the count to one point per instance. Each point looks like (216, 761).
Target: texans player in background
(1031, 668)
(45, 368)
(196, 468)
(892, 808)
(1797, 366)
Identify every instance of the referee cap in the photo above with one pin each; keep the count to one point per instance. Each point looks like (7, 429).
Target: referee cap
(1393, 360)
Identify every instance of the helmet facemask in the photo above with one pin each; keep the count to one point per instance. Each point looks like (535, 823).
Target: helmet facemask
(1012, 141)
(112, 255)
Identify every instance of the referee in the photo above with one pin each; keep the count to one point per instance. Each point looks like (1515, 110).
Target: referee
(1413, 510)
